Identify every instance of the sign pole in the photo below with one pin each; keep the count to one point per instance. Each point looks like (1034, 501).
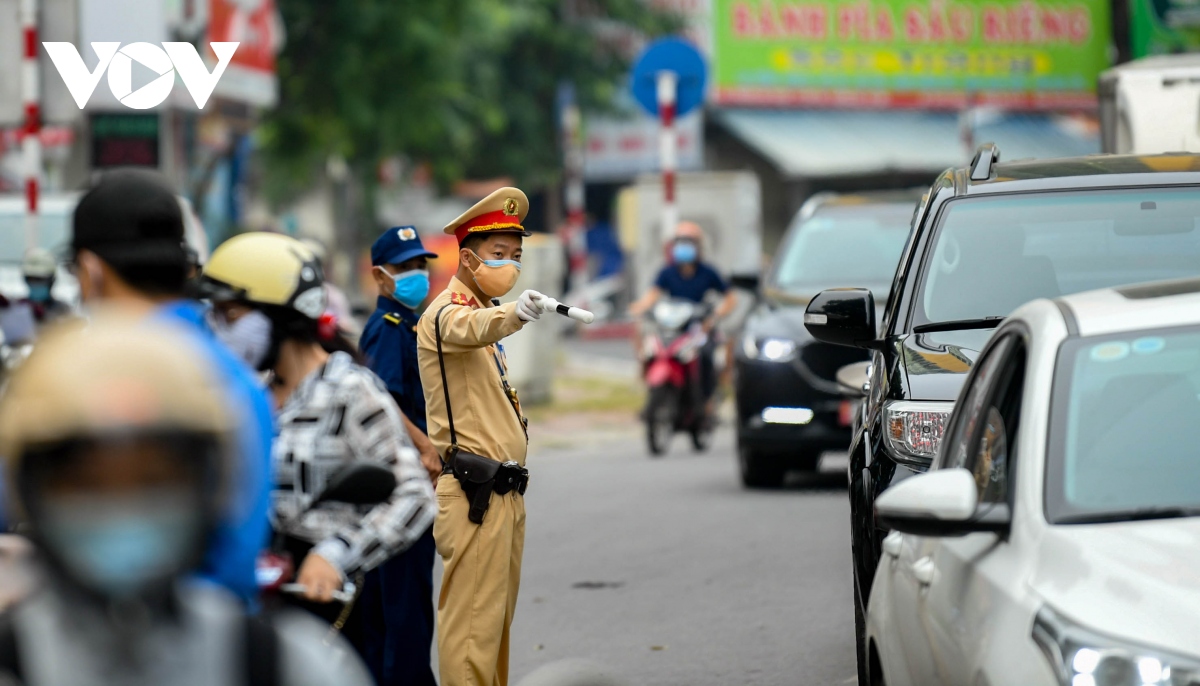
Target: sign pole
(31, 144)
(573, 191)
(667, 87)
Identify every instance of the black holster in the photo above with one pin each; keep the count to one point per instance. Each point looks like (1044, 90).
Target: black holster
(481, 476)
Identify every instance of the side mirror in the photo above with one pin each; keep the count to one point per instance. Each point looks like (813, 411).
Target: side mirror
(745, 282)
(843, 316)
(853, 379)
(359, 483)
(944, 502)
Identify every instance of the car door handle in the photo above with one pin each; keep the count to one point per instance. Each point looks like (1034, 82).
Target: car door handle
(925, 571)
(893, 543)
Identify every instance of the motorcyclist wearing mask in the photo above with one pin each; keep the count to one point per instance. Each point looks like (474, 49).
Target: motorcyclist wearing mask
(120, 448)
(476, 423)
(404, 585)
(128, 250)
(267, 293)
(688, 277)
(38, 268)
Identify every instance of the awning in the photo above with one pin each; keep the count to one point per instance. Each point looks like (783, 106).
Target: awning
(830, 143)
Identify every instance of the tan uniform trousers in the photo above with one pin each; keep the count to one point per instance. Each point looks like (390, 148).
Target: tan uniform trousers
(479, 586)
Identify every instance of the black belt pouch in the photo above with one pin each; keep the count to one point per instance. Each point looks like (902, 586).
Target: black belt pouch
(477, 476)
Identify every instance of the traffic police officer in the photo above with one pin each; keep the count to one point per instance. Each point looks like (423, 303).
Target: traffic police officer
(475, 422)
(403, 586)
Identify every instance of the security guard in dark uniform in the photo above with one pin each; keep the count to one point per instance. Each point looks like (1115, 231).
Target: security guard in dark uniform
(400, 595)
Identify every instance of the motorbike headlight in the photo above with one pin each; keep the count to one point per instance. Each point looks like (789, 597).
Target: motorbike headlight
(1081, 657)
(769, 349)
(914, 429)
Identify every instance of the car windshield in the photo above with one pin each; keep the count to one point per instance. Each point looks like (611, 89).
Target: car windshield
(994, 254)
(1124, 414)
(855, 245)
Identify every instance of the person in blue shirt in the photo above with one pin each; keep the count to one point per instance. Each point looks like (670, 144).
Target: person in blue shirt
(688, 277)
(399, 633)
(128, 251)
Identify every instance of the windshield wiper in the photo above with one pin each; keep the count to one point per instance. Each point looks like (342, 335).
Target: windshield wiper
(960, 324)
(1136, 514)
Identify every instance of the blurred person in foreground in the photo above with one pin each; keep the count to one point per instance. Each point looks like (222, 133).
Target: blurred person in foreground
(480, 525)
(129, 251)
(332, 411)
(403, 632)
(120, 445)
(688, 277)
(39, 270)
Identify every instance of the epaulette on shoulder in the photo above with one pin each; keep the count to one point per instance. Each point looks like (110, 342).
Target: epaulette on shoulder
(392, 318)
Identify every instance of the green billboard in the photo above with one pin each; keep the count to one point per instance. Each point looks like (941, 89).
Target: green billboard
(1019, 54)
(1161, 27)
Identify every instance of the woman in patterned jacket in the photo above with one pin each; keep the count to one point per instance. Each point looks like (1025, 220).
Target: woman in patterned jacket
(268, 303)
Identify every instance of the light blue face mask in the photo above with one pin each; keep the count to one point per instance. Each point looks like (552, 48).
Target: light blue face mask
(120, 546)
(684, 252)
(411, 287)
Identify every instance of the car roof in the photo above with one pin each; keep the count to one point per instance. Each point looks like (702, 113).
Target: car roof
(1091, 171)
(908, 196)
(1160, 304)
(829, 200)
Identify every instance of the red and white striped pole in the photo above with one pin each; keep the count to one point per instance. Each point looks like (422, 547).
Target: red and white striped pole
(668, 142)
(31, 144)
(574, 196)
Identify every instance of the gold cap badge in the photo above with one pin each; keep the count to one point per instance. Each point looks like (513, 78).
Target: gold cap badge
(510, 207)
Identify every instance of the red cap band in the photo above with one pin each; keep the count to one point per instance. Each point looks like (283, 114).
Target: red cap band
(488, 221)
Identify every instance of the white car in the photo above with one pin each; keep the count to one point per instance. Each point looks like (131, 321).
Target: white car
(1057, 538)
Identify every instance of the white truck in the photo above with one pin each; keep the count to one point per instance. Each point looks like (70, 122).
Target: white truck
(1151, 105)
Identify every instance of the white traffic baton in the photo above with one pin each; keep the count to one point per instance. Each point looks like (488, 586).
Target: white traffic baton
(580, 315)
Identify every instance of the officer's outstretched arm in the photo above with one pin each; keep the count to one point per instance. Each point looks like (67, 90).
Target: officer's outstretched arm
(464, 329)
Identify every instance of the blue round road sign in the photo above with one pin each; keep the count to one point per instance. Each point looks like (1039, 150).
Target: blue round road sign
(670, 54)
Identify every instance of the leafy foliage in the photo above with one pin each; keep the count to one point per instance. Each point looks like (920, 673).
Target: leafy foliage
(467, 86)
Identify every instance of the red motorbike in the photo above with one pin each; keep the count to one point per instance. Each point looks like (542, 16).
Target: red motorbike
(673, 344)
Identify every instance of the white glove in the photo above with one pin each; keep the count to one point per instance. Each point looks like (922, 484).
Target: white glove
(528, 309)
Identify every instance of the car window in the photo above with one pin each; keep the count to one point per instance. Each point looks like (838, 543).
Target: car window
(969, 411)
(1123, 424)
(843, 246)
(991, 255)
(990, 452)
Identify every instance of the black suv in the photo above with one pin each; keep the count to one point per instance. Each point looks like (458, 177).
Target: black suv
(789, 406)
(985, 240)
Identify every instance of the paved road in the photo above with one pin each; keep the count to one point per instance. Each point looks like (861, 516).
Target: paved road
(666, 571)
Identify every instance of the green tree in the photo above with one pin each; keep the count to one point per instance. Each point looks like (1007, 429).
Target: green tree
(467, 86)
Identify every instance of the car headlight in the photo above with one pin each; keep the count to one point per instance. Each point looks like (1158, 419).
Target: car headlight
(769, 349)
(1081, 657)
(913, 430)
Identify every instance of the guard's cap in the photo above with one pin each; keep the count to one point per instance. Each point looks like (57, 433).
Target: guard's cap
(398, 244)
(501, 212)
(131, 217)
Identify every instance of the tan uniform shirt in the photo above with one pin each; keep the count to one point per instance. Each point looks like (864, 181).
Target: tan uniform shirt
(485, 419)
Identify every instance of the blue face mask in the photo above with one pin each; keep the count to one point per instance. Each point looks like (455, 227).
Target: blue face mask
(39, 292)
(684, 252)
(119, 547)
(411, 287)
